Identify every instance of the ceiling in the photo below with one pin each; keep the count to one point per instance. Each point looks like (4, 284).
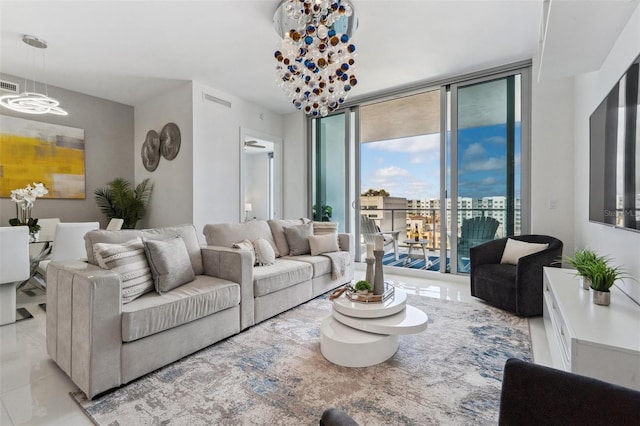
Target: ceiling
(129, 51)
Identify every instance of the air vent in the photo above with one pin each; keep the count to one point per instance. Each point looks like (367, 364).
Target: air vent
(9, 86)
(212, 98)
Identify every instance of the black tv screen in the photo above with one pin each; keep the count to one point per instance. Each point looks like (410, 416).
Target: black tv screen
(614, 154)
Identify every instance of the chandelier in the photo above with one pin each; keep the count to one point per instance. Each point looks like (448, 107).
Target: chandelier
(315, 60)
(32, 102)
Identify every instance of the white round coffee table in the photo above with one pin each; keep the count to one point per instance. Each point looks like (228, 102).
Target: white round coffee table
(364, 334)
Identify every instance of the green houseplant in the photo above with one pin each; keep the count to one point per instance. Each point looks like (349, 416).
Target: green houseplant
(602, 276)
(581, 261)
(363, 286)
(118, 199)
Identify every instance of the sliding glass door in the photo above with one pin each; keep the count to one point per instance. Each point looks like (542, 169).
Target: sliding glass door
(486, 172)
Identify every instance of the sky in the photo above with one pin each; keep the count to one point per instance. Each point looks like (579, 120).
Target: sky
(410, 167)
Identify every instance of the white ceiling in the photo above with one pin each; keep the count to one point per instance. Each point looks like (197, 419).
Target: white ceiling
(128, 51)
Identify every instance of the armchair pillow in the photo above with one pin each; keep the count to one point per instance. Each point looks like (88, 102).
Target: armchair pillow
(127, 259)
(326, 243)
(515, 249)
(321, 228)
(169, 262)
(298, 238)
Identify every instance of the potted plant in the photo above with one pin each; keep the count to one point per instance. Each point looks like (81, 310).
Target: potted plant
(120, 200)
(580, 262)
(363, 287)
(602, 276)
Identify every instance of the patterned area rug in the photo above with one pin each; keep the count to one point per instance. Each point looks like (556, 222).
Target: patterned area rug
(274, 373)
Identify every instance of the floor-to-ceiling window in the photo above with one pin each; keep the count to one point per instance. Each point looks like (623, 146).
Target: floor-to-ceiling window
(392, 167)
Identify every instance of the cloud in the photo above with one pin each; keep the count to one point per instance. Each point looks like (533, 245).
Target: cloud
(498, 140)
(422, 143)
(485, 165)
(400, 182)
(390, 172)
(490, 180)
(475, 150)
(417, 160)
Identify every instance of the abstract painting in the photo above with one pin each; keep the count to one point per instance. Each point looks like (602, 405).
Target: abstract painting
(32, 151)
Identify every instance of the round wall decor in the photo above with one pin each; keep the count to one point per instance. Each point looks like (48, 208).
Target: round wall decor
(170, 141)
(151, 151)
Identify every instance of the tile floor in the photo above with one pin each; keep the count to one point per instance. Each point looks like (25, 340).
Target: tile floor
(34, 391)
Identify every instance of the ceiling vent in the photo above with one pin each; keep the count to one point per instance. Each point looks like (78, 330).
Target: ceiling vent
(8, 86)
(212, 98)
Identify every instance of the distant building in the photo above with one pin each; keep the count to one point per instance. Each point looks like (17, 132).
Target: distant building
(389, 213)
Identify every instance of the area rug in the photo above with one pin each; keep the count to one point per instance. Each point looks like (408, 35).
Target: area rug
(274, 373)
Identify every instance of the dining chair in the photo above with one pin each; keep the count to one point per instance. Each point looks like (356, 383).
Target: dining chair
(115, 224)
(47, 230)
(68, 243)
(14, 268)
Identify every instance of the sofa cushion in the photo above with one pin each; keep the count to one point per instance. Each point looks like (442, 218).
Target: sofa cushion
(277, 229)
(322, 228)
(298, 238)
(514, 250)
(187, 232)
(265, 255)
(169, 263)
(326, 243)
(282, 274)
(321, 264)
(226, 234)
(153, 313)
(128, 260)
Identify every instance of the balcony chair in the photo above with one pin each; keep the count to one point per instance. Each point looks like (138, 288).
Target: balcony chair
(14, 268)
(115, 224)
(475, 231)
(68, 244)
(370, 230)
(516, 287)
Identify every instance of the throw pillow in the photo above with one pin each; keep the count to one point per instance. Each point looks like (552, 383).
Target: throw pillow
(169, 262)
(129, 261)
(265, 255)
(246, 245)
(515, 249)
(321, 228)
(298, 238)
(323, 244)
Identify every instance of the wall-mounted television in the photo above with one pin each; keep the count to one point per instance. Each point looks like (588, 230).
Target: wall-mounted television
(614, 154)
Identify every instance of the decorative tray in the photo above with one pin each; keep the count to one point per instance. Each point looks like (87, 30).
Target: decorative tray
(354, 296)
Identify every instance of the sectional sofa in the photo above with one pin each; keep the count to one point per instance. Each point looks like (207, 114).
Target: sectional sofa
(199, 295)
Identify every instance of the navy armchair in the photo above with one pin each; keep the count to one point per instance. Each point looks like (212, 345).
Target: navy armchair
(514, 288)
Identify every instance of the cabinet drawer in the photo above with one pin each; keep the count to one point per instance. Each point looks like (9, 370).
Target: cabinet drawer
(559, 329)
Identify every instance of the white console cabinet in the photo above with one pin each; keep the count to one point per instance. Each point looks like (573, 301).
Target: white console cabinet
(589, 339)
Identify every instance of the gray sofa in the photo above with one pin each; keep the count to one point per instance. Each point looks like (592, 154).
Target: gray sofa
(291, 280)
(103, 343)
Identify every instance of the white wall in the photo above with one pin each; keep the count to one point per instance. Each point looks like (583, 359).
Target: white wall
(622, 245)
(552, 158)
(216, 155)
(171, 200)
(295, 166)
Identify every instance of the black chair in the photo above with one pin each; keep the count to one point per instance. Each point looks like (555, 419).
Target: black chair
(515, 288)
(537, 395)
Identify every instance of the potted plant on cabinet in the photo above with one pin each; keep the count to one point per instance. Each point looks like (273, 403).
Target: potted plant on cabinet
(580, 261)
(602, 276)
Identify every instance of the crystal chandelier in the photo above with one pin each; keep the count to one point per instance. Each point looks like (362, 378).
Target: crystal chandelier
(31, 102)
(315, 60)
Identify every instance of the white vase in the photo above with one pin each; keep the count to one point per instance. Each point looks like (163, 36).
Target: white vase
(34, 237)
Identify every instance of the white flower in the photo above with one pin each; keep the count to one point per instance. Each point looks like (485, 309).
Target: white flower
(29, 194)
